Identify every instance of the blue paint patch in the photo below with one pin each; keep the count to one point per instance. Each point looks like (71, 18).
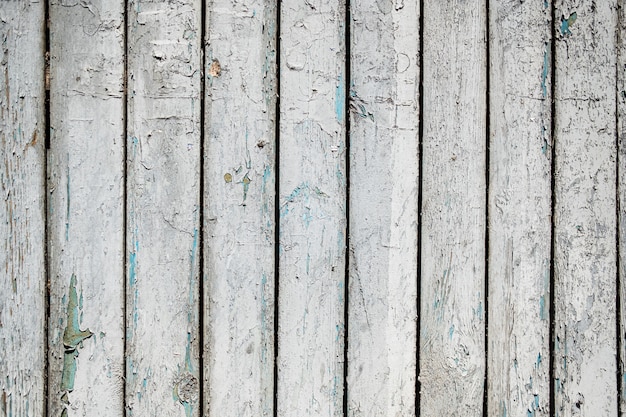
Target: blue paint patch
(566, 24)
(544, 72)
(340, 99)
(545, 4)
(67, 213)
(451, 332)
(503, 408)
(538, 363)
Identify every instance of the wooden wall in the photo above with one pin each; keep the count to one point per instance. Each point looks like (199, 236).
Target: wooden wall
(297, 208)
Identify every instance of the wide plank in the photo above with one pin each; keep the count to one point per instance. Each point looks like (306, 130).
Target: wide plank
(585, 209)
(384, 164)
(163, 208)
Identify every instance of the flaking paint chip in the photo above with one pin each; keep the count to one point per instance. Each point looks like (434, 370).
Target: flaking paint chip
(215, 70)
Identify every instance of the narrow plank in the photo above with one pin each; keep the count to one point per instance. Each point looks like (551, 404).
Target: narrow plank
(585, 199)
(239, 195)
(312, 210)
(621, 183)
(519, 209)
(452, 348)
(163, 150)
(22, 212)
(86, 216)
(384, 138)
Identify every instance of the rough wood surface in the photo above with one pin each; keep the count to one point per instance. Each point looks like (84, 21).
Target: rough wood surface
(585, 211)
(22, 213)
(312, 209)
(163, 208)
(384, 101)
(621, 183)
(86, 220)
(240, 177)
(519, 209)
(452, 345)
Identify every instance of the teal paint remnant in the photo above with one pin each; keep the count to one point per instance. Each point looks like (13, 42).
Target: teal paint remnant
(538, 363)
(542, 307)
(566, 24)
(73, 338)
(340, 98)
(503, 408)
(544, 72)
(246, 186)
(451, 332)
(67, 210)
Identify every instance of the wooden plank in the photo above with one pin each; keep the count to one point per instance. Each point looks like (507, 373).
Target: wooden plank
(239, 199)
(162, 372)
(519, 209)
(312, 200)
(384, 163)
(22, 212)
(452, 348)
(621, 204)
(86, 216)
(585, 209)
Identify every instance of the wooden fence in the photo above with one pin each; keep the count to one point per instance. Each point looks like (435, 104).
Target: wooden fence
(312, 208)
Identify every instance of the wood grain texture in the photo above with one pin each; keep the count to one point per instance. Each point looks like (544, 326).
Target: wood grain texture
(239, 221)
(162, 372)
(384, 101)
(452, 345)
(86, 217)
(312, 209)
(22, 212)
(519, 209)
(585, 211)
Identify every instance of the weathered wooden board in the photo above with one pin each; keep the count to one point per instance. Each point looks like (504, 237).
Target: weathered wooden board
(312, 198)
(585, 209)
(452, 340)
(519, 209)
(162, 368)
(621, 184)
(384, 161)
(86, 216)
(22, 209)
(239, 198)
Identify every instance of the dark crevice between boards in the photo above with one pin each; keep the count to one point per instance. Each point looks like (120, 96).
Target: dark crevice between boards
(125, 202)
(46, 204)
(420, 173)
(346, 286)
(487, 171)
(551, 308)
(618, 284)
(201, 306)
(276, 207)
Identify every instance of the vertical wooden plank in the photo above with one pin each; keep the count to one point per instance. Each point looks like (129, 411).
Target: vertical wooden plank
(585, 220)
(519, 209)
(163, 151)
(312, 209)
(384, 163)
(239, 200)
(452, 348)
(22, 213)
(86, 216)
(621, 184)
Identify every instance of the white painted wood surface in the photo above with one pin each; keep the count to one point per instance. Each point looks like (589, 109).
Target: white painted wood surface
(239, 197)
(452, 340)
(621, 190)
(86, 220)
(384, 161)
(312, 209)
(519, 209)
(22, 209)
(163, 150)
(585, 211)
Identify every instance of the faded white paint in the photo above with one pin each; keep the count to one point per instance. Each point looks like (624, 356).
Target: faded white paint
(239, 199)
(86, 196)
(452, 348)
(519, 209)
(585, 209)
(22, 213)
(312, 209)
(162, 311)
(384, 139)
(621, 183)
